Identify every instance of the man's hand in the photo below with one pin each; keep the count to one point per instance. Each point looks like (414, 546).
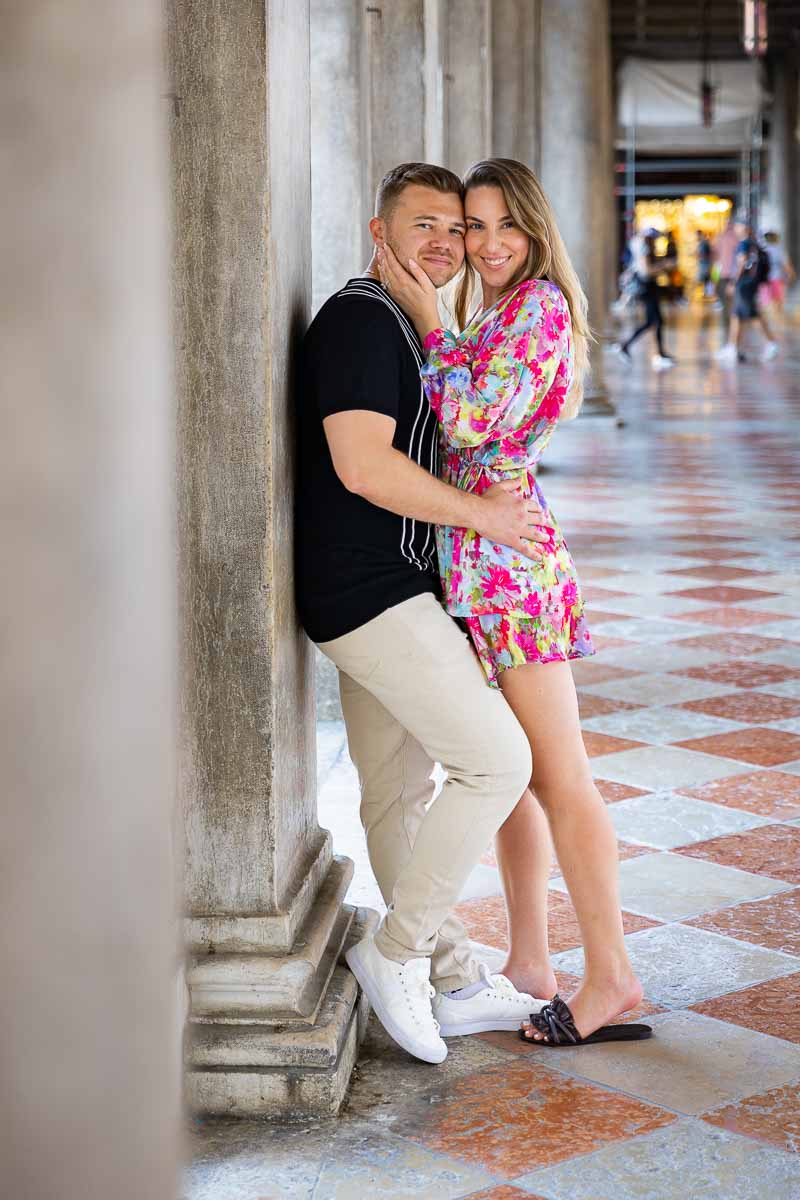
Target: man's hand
(512, 519)
(411, 288)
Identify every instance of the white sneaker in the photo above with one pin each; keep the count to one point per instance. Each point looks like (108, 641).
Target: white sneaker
(497, 1006)
(770, 351)
(727, 354)
(401, 995)
(660, 362)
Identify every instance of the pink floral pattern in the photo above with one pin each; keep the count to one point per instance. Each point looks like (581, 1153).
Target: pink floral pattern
(498, 391)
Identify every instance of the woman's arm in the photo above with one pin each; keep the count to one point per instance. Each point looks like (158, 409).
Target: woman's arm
(506, 382)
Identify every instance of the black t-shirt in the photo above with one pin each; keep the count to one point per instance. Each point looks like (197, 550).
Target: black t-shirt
(355, 560)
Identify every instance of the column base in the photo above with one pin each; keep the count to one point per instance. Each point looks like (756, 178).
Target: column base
(288, 1070)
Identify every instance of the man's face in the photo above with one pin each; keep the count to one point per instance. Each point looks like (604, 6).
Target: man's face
(742, 230)
(428, 226)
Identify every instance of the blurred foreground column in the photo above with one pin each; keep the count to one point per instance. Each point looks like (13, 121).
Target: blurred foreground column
(577, 154)
(275, 1022)
(89, 1064)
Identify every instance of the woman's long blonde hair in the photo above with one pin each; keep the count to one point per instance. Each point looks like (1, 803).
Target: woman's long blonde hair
(547, 257)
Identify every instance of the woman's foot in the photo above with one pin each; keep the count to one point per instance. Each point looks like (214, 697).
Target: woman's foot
(536, 981)
(594, 1005)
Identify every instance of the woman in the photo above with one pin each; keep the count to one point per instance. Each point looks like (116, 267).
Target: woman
(647, 267)
(499, 390)
(781, 273)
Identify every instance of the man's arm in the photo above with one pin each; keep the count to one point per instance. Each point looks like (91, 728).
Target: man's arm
(366, 462)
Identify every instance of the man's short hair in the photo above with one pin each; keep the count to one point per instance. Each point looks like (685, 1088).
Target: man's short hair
(399, 178)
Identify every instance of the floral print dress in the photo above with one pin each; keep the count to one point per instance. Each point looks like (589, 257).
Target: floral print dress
(498, 391)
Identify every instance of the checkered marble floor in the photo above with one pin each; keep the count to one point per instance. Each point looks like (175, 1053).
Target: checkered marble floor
(685, 525)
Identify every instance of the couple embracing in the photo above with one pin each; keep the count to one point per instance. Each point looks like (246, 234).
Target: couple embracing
(433, 574)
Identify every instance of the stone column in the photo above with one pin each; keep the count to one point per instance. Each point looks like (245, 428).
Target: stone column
(516, 46)
(377, 99)
(89, 1060)
(403, 84)
(469, 83)
(780, 208)
(274, 1022)
(577, 153)
(340, 202)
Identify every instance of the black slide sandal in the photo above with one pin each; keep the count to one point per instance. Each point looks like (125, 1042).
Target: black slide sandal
(556, 1021)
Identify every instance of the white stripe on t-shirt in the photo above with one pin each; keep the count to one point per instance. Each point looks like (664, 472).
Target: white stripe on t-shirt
(409, 524)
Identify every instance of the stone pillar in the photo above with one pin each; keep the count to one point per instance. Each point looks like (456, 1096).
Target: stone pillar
(469, 83)
(340, 201)
(89, 1060)
(577, 153)
(780, 209)
(274, 1022)
(377, 99)
(403, 84)
(516, 46)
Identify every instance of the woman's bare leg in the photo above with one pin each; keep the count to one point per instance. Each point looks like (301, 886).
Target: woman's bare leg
(524, 854)
(543, 698)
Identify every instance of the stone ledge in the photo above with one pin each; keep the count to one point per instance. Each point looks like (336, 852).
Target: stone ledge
(279, 1072)
(271, 933)
(243, 1046)
(236, 988)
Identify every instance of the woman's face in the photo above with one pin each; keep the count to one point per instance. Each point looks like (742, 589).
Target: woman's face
(495, 246)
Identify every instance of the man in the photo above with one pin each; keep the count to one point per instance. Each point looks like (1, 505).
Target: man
(412, 690)
(752, 269)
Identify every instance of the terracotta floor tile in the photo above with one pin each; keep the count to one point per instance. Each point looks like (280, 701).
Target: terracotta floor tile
(772, 1007)
(724, 594)
(772, 850)
(754, 708)
(764, 747)
(601, 642)
(504, 1191)
(742, 673)
(768, 793)
(773, 922)
(603, 743)
(717, 572)
(617, 791)
(735, 645)
(772, 1116)
(478, 1119)
(485, 920)
(596, 594)
(596, 616)
(712, 551)
(627, 850)
(731, 618)
(593, 571)
(589, 670)
(601, 706)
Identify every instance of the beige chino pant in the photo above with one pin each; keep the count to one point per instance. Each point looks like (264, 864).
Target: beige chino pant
(413, 693)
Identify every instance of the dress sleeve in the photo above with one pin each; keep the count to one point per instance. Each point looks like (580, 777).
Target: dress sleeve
(480, 396)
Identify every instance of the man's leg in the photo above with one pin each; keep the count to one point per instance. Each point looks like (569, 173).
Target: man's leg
(418, 664)
(394, 772)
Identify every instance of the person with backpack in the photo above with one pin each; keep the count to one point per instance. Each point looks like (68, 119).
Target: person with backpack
(647, 266)
(752, 270)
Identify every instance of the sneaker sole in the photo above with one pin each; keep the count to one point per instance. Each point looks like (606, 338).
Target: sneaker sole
(464, 1027)
(395, 1032)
